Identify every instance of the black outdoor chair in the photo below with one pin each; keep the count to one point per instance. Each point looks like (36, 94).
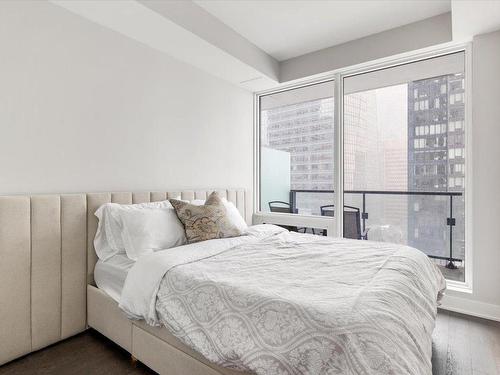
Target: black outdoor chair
(352, 221)
(285, 207)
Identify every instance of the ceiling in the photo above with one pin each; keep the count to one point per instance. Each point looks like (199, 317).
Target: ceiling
(285, 29)
(474, 18)
(259, 45)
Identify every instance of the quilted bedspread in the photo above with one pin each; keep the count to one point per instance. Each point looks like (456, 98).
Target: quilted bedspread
(291, 303)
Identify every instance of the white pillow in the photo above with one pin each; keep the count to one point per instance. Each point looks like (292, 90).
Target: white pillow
(150, 227)
(233, 214)
(108, 238)
(137, 229)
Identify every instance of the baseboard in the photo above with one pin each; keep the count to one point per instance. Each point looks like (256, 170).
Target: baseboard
(471, 307)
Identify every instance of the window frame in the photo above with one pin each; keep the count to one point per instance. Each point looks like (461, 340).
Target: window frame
(334, 225)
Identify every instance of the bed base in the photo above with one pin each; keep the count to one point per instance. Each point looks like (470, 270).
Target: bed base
(153, 346)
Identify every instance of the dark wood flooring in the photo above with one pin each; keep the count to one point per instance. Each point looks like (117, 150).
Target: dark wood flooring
(88, 353)
(462, 345)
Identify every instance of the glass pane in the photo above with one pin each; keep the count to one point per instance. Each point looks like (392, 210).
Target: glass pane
(404, 161)
(296, 150)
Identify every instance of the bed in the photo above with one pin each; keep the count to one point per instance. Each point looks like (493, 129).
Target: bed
(288, 303)
(312, 304)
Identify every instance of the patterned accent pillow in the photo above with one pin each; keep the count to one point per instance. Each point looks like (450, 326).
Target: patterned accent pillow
(205, 222)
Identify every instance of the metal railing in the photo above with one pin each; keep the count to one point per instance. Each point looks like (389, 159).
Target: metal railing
(450, 220)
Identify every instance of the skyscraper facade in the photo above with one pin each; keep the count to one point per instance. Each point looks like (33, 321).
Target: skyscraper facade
(436, 162)
(305, 130)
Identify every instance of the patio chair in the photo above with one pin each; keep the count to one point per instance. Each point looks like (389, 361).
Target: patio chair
(352, 221)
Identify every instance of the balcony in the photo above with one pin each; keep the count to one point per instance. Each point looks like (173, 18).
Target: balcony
(431, 221)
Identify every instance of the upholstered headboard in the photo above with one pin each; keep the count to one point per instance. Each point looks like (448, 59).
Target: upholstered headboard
(47, 257)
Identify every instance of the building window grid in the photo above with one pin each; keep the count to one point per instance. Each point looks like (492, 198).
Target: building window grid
(443, 170)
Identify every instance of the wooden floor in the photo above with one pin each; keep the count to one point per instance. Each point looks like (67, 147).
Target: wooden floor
(465, 345)
(461, 346)
(85, 354)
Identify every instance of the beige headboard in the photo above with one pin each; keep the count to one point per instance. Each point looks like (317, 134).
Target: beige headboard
(47, 258)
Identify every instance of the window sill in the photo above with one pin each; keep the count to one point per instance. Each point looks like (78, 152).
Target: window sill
(458, 286)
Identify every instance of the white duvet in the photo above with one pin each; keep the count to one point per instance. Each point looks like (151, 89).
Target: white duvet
(276, 302)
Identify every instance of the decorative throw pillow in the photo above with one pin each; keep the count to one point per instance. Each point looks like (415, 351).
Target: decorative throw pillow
(233, 214)
(207, 221)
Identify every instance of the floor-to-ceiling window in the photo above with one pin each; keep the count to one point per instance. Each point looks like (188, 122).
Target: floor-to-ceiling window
(404, 157)
(402, 170)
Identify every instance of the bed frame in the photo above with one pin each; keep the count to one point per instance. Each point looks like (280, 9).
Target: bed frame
(46, 279)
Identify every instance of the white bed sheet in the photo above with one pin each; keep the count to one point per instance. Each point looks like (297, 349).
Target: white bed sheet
(110, 275)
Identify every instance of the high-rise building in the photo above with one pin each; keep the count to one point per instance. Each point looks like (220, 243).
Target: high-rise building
(361, 142)
(436, 162)
(305, 130)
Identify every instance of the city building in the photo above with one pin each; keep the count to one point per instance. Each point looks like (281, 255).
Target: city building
(305, 130)
(436, 163)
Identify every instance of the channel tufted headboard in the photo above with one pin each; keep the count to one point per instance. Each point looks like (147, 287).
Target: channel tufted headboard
(47, 258)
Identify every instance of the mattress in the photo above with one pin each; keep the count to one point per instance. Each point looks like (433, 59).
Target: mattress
(110, 275)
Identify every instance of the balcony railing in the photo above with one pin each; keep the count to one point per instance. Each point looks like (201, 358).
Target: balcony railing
(450, 220)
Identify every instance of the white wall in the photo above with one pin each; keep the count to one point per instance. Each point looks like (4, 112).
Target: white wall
(83, 108)
(486, 171)
(485, 178)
